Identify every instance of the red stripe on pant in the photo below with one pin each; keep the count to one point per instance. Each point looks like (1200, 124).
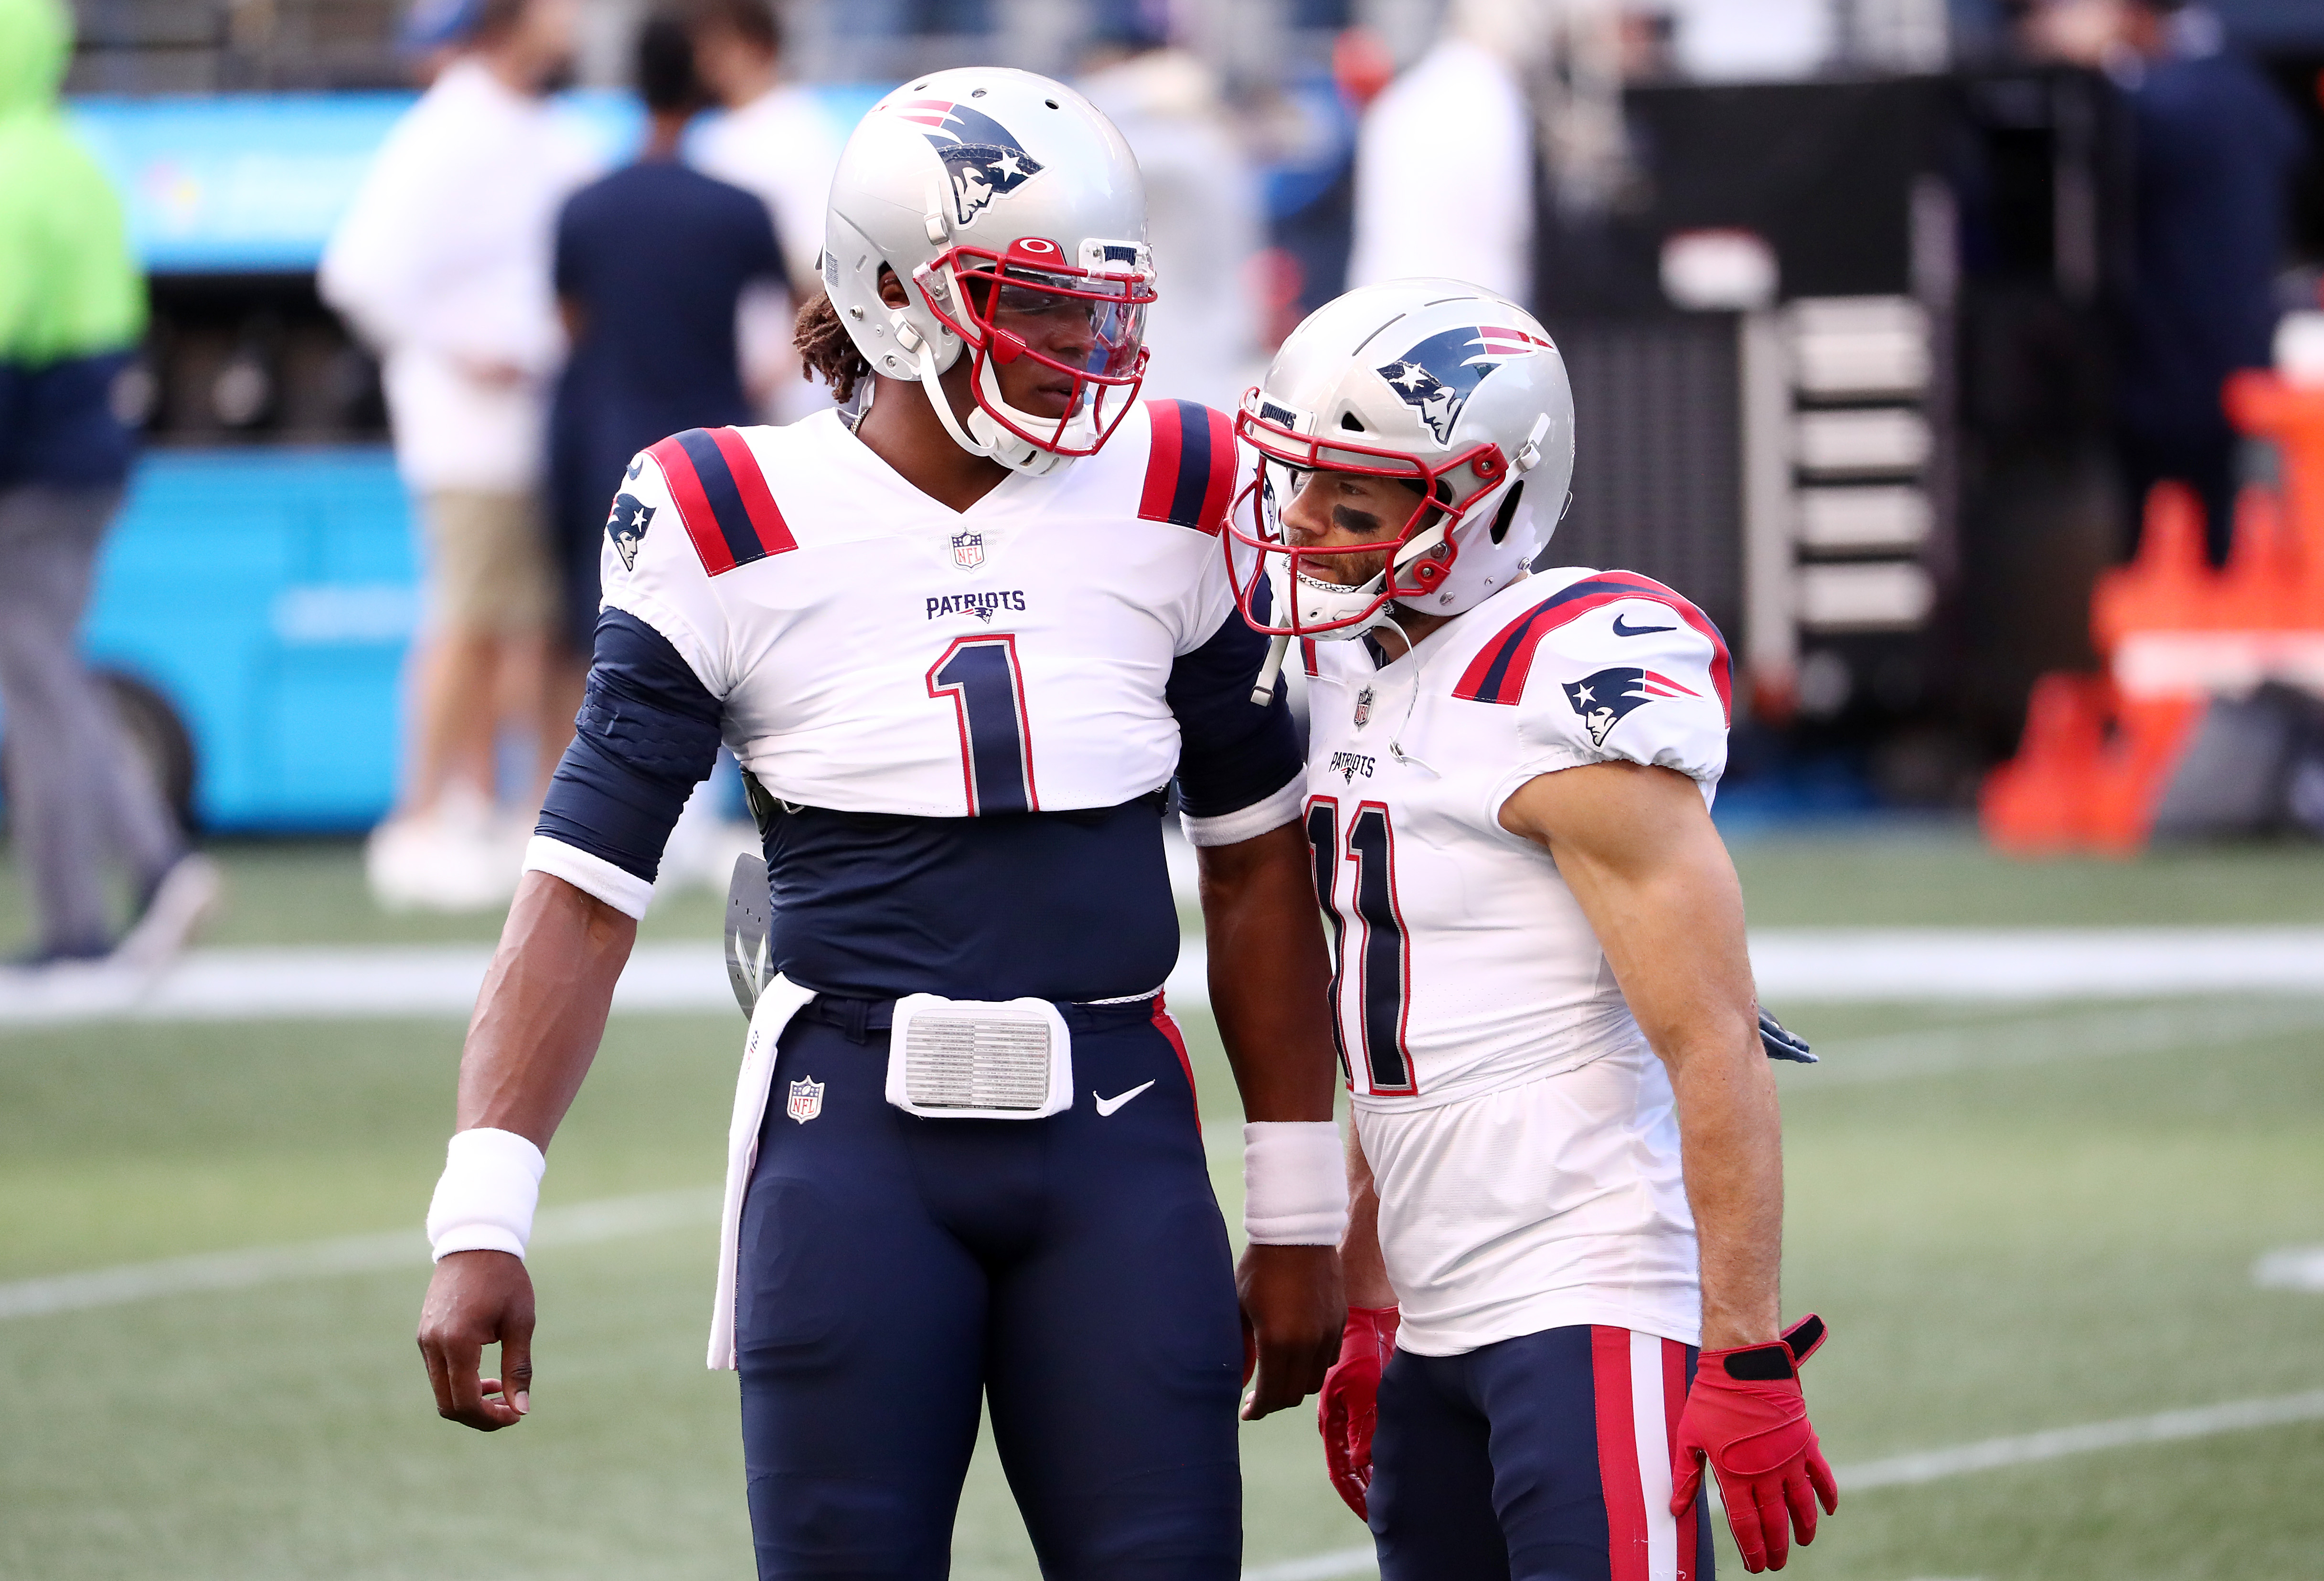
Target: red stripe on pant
(1617, 1454)
(1690, 1525)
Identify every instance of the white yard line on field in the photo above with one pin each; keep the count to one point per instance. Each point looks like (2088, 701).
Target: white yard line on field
(610, 1218)
(2290, 1268)
(2165, 1426)
(2086, 1034)
(1793, 966)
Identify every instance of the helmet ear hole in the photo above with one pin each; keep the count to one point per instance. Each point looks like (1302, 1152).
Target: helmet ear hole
(1507, 512)
(1349, 422)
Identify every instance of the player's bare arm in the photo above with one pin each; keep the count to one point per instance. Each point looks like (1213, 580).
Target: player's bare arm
(1269, 982)
(1638, 850)
(532, 1038)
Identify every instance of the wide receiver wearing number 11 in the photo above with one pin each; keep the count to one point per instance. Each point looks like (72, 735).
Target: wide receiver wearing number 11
(961, 640)
(1567, 1167)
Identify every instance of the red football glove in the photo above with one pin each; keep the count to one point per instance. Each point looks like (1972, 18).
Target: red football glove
(1349, 1408)
(1745, 1412)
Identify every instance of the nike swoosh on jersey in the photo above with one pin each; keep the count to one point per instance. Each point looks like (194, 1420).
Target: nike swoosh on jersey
(1622, 631)
(1106, 1105)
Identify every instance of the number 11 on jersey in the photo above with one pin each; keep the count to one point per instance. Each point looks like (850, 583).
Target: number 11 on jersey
(987, 688)
(1379, 974)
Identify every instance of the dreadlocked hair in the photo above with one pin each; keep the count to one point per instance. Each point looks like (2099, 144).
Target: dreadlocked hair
(825, 348)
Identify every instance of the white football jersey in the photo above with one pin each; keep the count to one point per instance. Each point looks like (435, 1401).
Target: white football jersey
(879, 652)
(1521, 1131)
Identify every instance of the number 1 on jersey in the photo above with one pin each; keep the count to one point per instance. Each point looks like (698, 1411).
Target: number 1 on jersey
(1382, 969)
(980, 675)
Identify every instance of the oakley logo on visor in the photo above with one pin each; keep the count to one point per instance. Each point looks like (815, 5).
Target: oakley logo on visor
(1437, 377)
(981, 156)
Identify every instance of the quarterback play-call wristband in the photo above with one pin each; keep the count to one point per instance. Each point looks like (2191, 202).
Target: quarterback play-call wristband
(1294, 1183)
(484, 1200)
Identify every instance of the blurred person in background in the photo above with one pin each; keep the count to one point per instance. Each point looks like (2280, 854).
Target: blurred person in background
(2214, 148)
(1201, 205)
(72, 308)
(654, 333)
(442, 261)
(773, 141)
(1420, 211)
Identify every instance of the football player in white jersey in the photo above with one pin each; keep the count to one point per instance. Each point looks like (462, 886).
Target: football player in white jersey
(963, 640)
(1566, 1171)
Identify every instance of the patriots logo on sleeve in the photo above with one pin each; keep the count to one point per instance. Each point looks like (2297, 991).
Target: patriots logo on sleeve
(981, 156)
(627, 526)
(1437, 376)
(1605, 699)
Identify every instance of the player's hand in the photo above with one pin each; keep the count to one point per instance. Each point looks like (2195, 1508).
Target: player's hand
(1745, 1412)
(1292, 1310)
(1350, 1406)
(475, 1300)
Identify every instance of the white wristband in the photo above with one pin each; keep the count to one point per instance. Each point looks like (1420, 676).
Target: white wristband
(1294, 1183)
(485, 1201)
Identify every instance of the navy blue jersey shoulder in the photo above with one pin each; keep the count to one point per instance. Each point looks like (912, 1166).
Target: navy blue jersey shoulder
(1232, 752)
(647, 734)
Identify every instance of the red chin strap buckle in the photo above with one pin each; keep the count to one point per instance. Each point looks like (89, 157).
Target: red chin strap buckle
(1006, 347)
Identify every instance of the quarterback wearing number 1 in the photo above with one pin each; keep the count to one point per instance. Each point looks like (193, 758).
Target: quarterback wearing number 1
(1566, 1171)
(963, 640)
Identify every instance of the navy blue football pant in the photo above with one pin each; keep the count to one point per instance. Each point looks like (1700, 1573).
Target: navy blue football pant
(1073, 1271)
(1545, 1457)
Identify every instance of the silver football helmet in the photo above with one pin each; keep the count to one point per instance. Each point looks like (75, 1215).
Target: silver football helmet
(1433, 382)
(982, 189)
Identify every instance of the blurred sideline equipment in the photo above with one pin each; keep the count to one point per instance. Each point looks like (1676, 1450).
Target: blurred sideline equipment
(2183, 714)
(442, 261)
(71, 310)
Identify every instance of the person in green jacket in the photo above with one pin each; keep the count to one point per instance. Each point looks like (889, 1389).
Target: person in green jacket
(72, 308)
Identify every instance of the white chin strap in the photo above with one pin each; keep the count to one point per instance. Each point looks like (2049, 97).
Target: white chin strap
(983, 435)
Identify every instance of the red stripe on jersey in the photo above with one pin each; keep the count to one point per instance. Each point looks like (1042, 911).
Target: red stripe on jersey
(773, 533)
(1669, 688)
(1307, 655)
(1498, 672)
(1216, 498)
(694, 511)
(1162, 460)
(1690, 1527)
(1617, 1454)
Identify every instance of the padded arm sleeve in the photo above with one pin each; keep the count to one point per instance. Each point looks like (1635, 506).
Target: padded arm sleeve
(647, 734)
(1239, 766)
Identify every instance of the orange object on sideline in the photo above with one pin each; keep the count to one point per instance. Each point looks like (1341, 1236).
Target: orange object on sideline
(2038, 801)
(2260, 590)
(2169, 586)
(2293, 416)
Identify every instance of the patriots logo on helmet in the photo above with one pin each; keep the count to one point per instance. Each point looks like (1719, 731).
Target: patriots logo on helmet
(981, 156)
(1605, 699)
(1437, 376)
(627, 525)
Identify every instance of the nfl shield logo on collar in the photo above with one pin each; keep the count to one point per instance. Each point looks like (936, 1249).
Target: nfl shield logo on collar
(806, 1099)
(1363, 708)
(968, 550)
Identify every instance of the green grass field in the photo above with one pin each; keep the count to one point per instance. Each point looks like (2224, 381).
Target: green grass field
(2013, 1246)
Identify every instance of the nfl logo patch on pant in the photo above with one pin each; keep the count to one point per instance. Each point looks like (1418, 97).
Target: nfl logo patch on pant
(806, 1099)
